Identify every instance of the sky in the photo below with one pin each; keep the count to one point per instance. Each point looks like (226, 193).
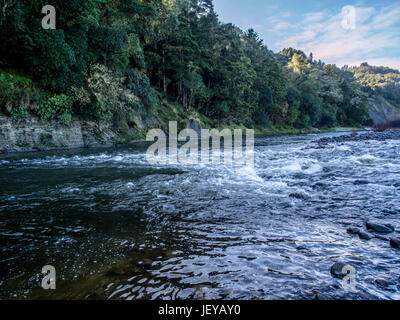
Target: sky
(367, 31)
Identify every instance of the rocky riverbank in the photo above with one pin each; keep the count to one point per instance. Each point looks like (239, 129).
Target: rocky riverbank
(379, 136)
(36, 135)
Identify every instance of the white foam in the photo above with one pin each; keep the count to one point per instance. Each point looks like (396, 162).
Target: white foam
(364, 158)
(314, 168)
(249, 172)
(293, 167)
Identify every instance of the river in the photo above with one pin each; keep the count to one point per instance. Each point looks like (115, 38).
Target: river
(115, 227)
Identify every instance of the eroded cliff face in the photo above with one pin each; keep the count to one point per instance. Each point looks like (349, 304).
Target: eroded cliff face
(34, 134)
(381, 111)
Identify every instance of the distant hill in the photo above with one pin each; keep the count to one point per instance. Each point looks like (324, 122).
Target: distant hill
(344, 91)
(342, 100)
(382, 87)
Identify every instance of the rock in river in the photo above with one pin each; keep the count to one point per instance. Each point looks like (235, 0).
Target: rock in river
(395, 243)
(361, 234)
(298, 196)
(381, 237)
(364, 235)
(384, 283)
(378, 228)
(353, 230)
(337, 270)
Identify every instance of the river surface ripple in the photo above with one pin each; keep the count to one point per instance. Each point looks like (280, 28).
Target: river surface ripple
(116, 227)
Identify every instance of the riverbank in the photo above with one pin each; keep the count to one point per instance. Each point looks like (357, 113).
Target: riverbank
(295, 131)
(33, 134)
(393, 134)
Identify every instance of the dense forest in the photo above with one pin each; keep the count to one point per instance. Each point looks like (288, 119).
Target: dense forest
(381, 81)
(115, 60)
(319, 94)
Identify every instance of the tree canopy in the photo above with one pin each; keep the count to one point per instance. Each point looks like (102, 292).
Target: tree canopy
(113, 57)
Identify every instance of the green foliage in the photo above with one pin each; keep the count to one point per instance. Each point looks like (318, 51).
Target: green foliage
(65, 117)
(15, 91)
(51, 60)
(20, 112)
(56, 107)
(261, 118)
(135, 52)
(328, 118)
(139, 84)
(13, 80)
(113, 60)
(381, 81)
(8, 87)
(310, 102)
(321, 95)
(293, 99)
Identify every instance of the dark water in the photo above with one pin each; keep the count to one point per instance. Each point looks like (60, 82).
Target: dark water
(116, 227)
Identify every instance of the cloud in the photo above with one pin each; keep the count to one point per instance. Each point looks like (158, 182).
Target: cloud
(314, 17)
(375, 37)
(293, 41)
(388, 17)
(281, 25)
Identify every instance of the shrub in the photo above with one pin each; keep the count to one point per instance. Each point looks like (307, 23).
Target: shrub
(81, 99)
(20, 112)
(15, 91)
(109, 95)
(65, 117)
(8, 85)
(57, 106)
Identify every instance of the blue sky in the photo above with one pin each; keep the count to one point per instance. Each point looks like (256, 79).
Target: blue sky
(316, 26)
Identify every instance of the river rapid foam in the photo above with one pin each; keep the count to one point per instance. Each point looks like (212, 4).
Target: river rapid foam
(116, 227)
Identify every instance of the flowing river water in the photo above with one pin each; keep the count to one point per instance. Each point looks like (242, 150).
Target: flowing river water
(116, 227)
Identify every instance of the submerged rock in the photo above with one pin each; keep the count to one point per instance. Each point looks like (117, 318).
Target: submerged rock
(364, 235)
(395, 243)
(298, 196)
(337, 270)
(360, 182)
(381, 237)
(390, 226)
(320, 296)
(378, 228)
(384, 283)
(353, 230)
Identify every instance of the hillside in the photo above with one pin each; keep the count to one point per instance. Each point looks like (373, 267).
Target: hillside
(323, 95)
(135, 65)
(382, 86)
